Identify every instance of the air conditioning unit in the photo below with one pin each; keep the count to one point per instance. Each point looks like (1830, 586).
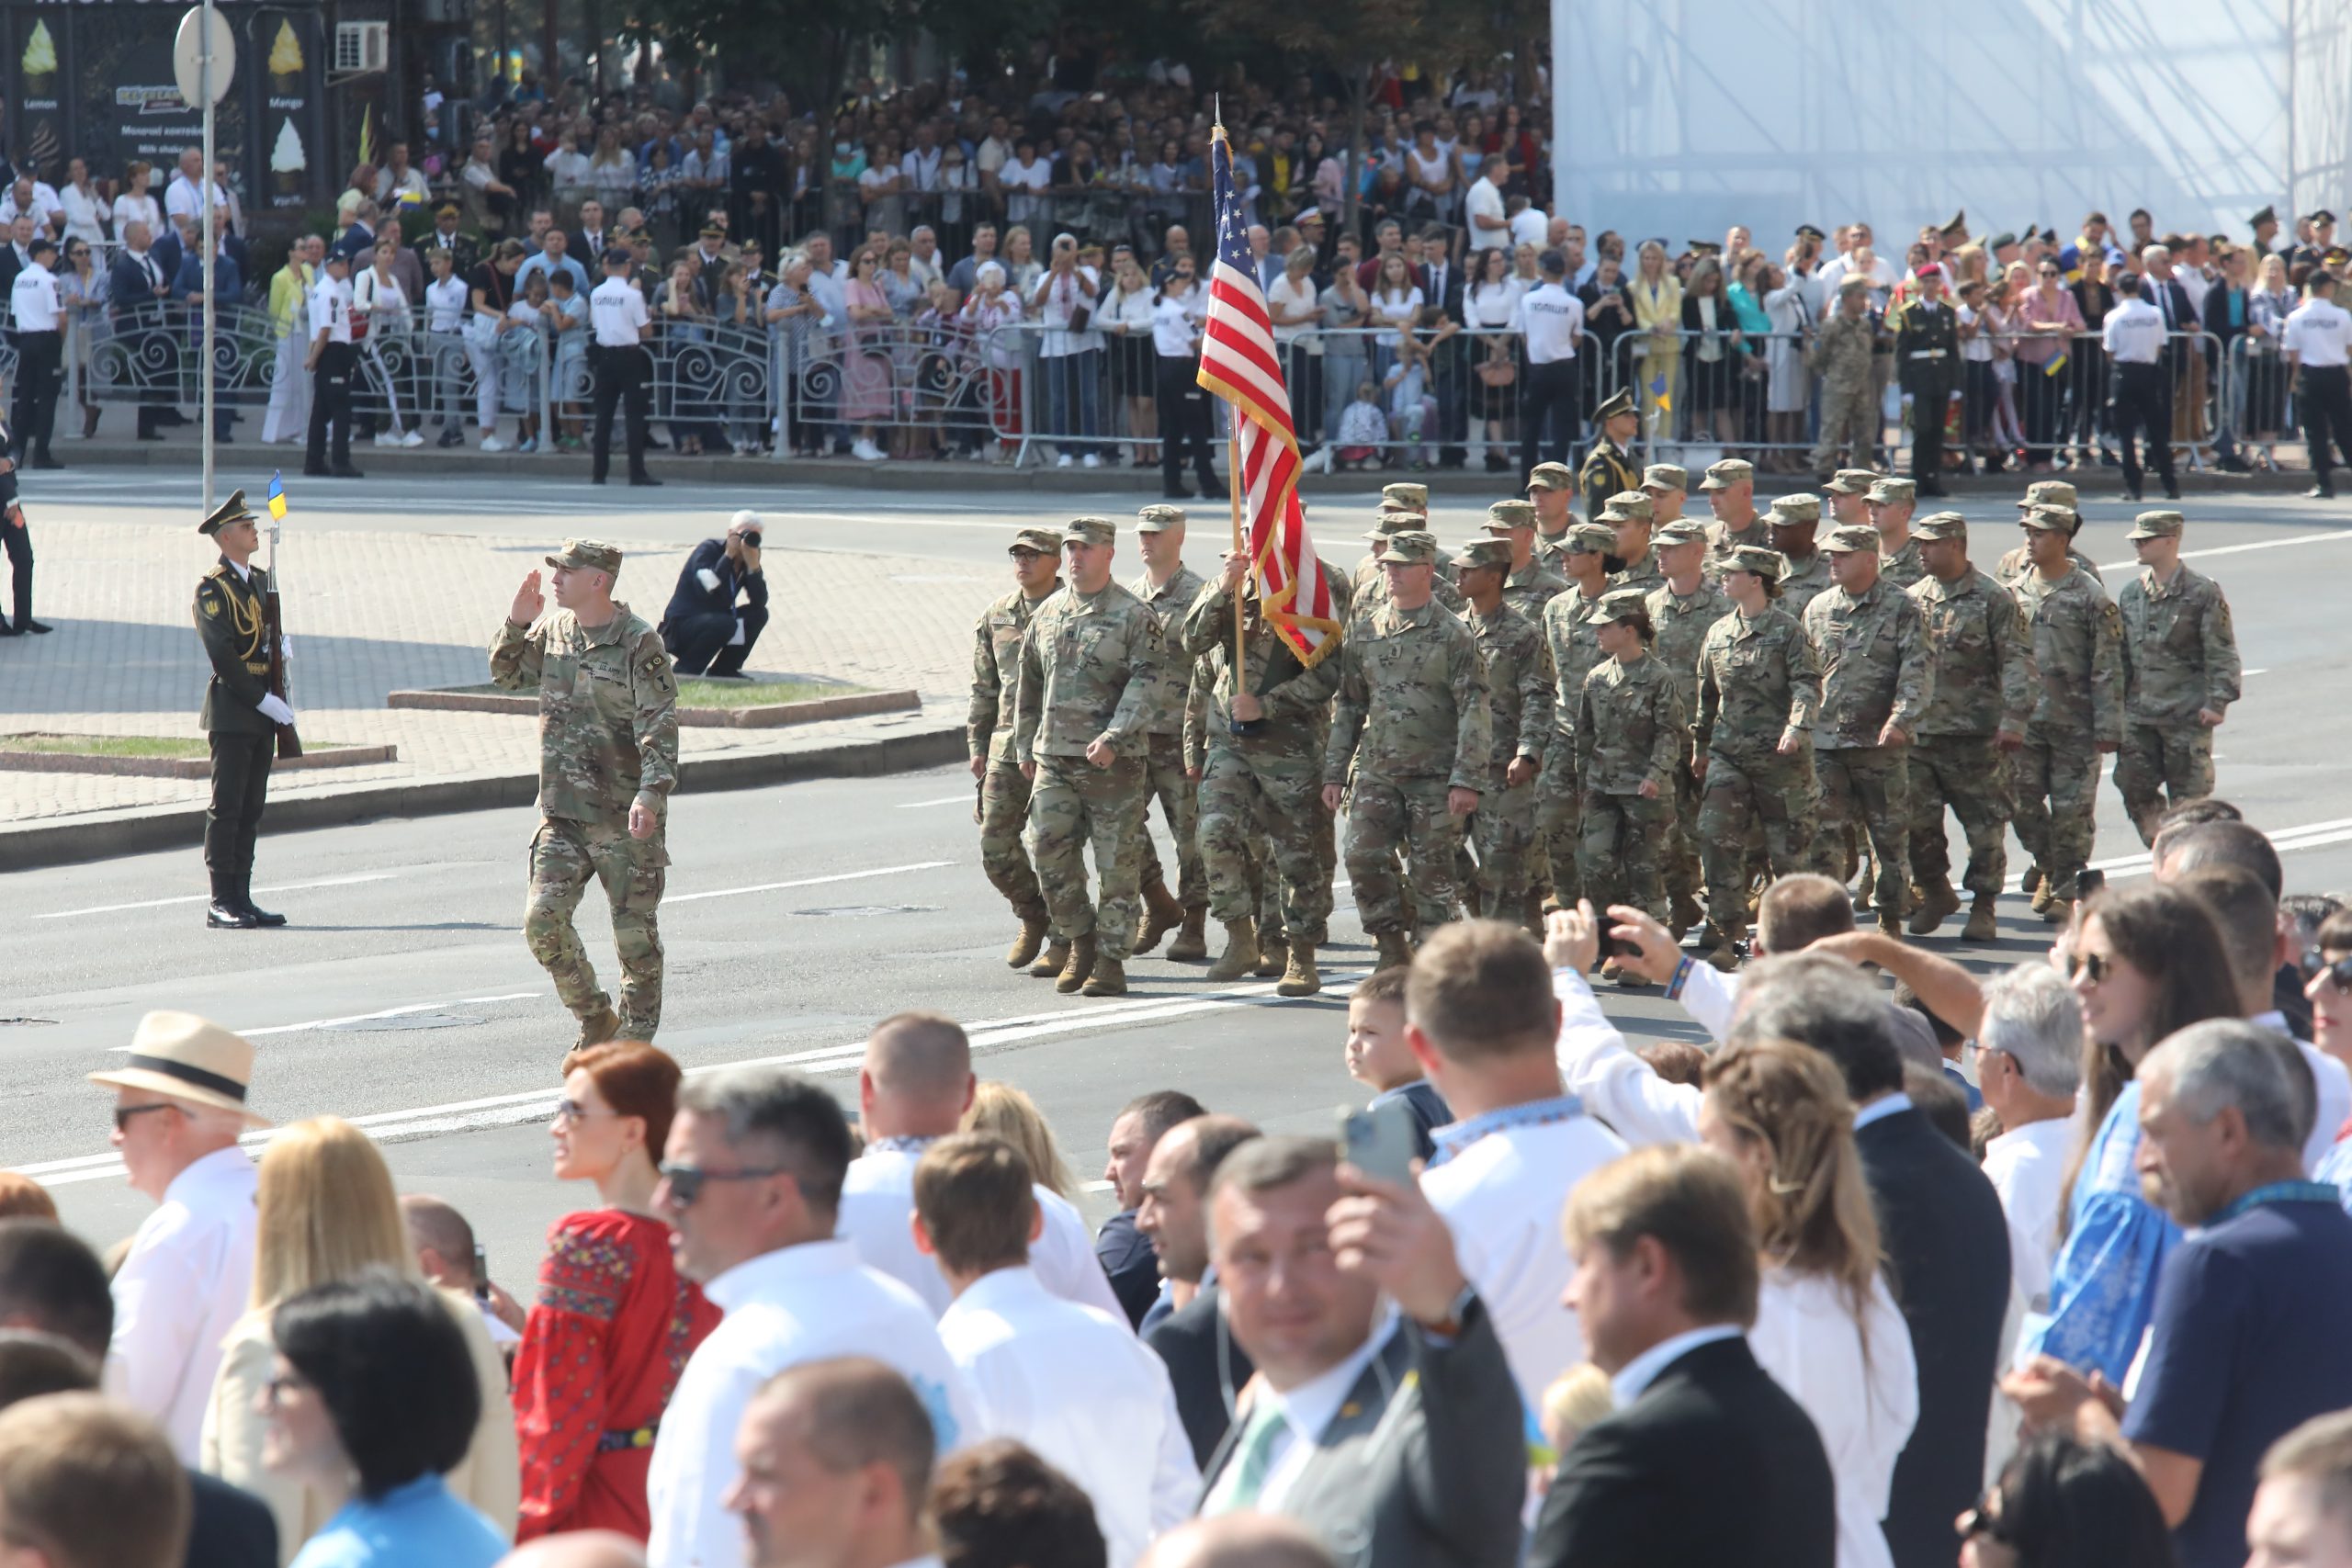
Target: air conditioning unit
(361, 47)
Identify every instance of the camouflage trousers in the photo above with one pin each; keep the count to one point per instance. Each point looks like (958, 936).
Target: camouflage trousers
(2161, 764)
(1625, 842)
(564, 856)
(1003, 813)
(1502, 833)
(1164, 781)
(1866, 784)
(1851, 421)
(1074, 804)
(1770, 795)
(1385, 815)
(1265, 843)
(1683, 863)
(2054, 780)
(1967, 773)
(1559, 817)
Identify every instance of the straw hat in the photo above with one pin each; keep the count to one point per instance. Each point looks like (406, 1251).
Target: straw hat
(190, 1059)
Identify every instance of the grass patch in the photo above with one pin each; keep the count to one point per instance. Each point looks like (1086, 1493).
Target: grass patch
(696, 693)
(127, 745)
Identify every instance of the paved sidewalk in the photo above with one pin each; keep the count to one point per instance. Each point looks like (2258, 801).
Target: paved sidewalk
(373, 612)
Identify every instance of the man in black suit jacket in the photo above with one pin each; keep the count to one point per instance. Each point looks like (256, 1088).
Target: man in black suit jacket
(1442, 282)
(1707, 1461)
(137, 283)
(1205, 1367)
(1125, 1251)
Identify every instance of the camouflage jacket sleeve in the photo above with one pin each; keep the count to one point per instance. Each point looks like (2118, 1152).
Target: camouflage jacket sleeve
(1209, 619)
(1537, 683)
(988, 692)
(2013, 650)
(515, 656)
(1711, 696)
(1473, 719)
(2221, 668)
(1804, 684)
(654, 706)
(1147, 680)
(1349, 703)
(1587, 728)
(1915, 673)
(1030, 696)
(1666, 745)
(2106, 673)
(1197, 715)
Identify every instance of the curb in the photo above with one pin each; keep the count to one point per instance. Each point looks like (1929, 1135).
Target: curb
(105, 835)
(187, 767)
(769, 716)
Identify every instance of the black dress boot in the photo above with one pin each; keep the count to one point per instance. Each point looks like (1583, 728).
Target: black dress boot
(227, 912)
(245, 901)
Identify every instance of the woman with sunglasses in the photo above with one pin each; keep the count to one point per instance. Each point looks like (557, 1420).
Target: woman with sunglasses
(615, 1321)
(2063, 1503)
(2329, 990)
(82, 289)
(2049, 321)
(2145, 962)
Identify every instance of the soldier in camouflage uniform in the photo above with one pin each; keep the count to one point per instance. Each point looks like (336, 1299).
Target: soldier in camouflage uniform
(1840, 355)
(1411, 721)
(1608, 468)
(1368, 585)
(1891, 502)
(1631, 563)
(1668, 488)
(1518, 696)
(1804, 573)
(1571, 631)
(1530, 585)
(2055, 493)
(1759, 687)
(1730, 490)
(1003, 808)
(1848, 491)
(1982, 659)
(1875, 683)
(1683, 609)
(2180, 674)
(608, 760)
(2079, 711)
(1093, 676)
(1166, 587)
(1261, 791)
(1630, 729)
(1551, 490)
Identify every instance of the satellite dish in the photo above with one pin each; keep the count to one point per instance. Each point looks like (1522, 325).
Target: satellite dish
(188, 68)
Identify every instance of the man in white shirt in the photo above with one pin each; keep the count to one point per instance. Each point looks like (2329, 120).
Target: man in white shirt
(1552, 321)
(1067, 350)
(180, 1111)
(1529, 225)
(38, 316)
(751, 1183)
(913, 1090)
(834, 1462)
(1071, 1382)
(2029, 1064)
(1480, 1018)
(1489, 224)
(184, 196)
(2141, 395)
(2317, 341)
(922, 256)
(330, 361)
(619, 321)
(31, 195)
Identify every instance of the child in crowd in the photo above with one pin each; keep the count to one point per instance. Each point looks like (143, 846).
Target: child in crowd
(1362, 426)
(1379, 1059)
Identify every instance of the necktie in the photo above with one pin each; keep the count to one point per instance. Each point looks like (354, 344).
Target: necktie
(1256, 1458)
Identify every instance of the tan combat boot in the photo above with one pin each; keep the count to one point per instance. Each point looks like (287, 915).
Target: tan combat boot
(1981, 926)
(1530, 915)
(2045, 892)
(1026, 946)
(1300, 977)
(1274, 957)
(2032, 881)
(1724, 954)
(1107, 978)
(1053, 960)
(1936, 904)
(1240, 954)
(1683, 914)
(1161, 914)
(598, 1028)
(1081, 964)
(2058, 911)
(1890, 924)
(1192, 943)
(1394, 952)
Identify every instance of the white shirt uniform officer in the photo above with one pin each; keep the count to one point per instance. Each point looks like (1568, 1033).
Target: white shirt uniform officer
(2134, 335)
(2316, 342)
(617, 320)
(40, 356)
(331, 366)
(1553, 320)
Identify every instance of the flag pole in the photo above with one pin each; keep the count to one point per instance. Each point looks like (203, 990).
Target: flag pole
(1233, 466)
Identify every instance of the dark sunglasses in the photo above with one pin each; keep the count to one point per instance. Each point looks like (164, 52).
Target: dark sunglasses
(123, 1113)
(686, 1180)
(2339, 974)
(2098, 967)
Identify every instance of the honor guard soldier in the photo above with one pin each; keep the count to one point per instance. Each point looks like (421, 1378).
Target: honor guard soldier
(1609, 466)
(1003, 808)
(1551, 490)
(608, 762)
(19, 540)
(617, 316)
(1529, 585)
(1927, 358)
(2180, 674)
(241, 715)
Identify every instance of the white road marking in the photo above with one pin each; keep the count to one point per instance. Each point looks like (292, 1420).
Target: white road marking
(206, 897)
(386, 1012)
(2310, 836)
(966, 797)
(809, 881)
(2262, 671)
(2241, 549)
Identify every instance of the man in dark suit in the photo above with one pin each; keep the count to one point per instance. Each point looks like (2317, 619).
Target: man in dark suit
(1183, 1323)
(1392, 1432)
(1442, 282)
(705, 630)
(136, 284)
(1125, 1251)
(1707, 1461)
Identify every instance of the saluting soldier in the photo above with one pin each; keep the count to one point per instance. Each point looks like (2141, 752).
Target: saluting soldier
(1518, 697)
(1608, 468)
(1003, 808)
(608, 762)
(241, 715)
(1411, 720)
(1571, 630)
(2077, 717)
(1166, 587)
(1629, 747)
(2180, 674)
(1927, 358)
(1551, 490)
(1891, 502)
(1730, 490)
(1683, 610)
(1530, 584)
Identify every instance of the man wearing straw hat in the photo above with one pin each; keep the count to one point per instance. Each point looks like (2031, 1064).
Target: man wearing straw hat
(179, 1109)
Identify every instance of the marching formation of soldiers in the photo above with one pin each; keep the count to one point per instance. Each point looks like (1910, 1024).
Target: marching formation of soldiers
(1634, 709)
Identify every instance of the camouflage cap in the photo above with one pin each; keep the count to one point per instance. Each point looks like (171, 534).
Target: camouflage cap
(1412, 496)
(1591, 539)
(1890, 491)
(1045, 541)
(1619, 603)
(1681, 531)
(1766, 564)
(1485, 551)
(1666, 475)
(592, 553)
(1408, 546)
(1794, 508)
(2050, 519)
(2157, 525)
(1940, 526)
(1155, 519)
(1628, 506)
(2049, 492)
(1508, 514)
(1853, 283)
(1851, 538)
(1852, 481)
(1392, 521)
(1728, 473)
(1089, 531)
(1551, 476)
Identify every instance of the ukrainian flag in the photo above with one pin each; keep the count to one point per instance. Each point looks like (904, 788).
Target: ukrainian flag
(278, 494)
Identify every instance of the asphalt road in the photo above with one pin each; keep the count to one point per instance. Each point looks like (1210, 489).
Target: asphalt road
(797, 915)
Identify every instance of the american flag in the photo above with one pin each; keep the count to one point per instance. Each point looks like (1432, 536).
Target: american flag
(1239, 363)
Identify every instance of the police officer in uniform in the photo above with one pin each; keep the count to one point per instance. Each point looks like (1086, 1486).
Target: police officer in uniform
(2140, 392)
(1608, 466)
(2315, 341)
(617, 316)
(39, 317)
(241, 715)
(19, 540)
(331, 362)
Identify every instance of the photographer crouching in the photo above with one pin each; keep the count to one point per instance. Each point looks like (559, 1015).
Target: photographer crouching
(707, 632)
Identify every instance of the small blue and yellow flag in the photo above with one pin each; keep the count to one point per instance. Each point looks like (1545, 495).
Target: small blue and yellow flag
(276, 493)
(1659, 395)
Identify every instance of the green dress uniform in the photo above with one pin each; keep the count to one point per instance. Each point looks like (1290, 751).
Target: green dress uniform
(1607, 470)
(608, 741)
(1927, 358)
(231, 622)
(1003, 807)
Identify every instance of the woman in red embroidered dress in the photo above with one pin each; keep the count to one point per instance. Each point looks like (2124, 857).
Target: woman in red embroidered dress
(615, 1321)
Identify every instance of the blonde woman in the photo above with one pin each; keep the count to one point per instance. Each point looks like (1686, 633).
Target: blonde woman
(1005, 1112)
(327, 1212)
(1657, 310)
(1827, 1325)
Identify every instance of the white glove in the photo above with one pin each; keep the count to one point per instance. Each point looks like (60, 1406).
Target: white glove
(274, 708)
